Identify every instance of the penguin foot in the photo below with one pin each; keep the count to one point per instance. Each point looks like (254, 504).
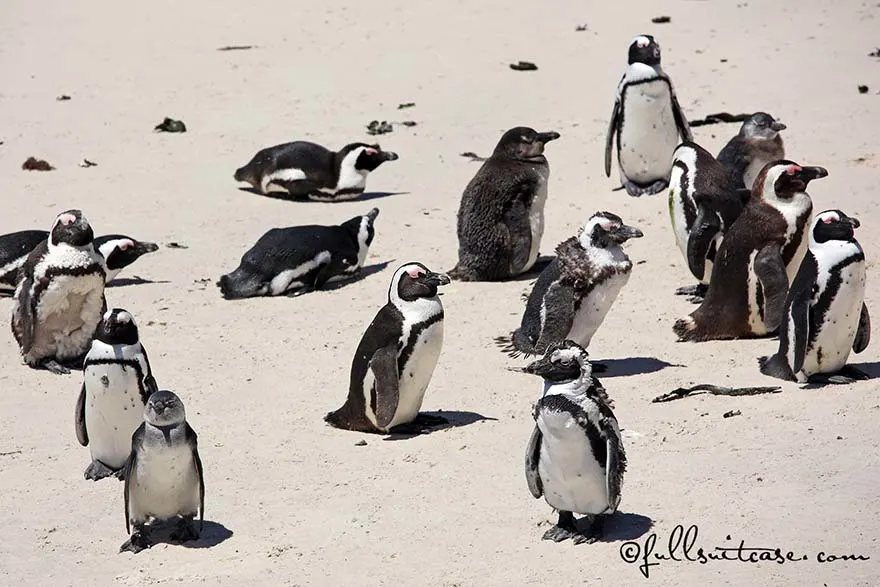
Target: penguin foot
(592, 533)
(53, 366)
(423, 424)
(637, 190)
(185, 531)
(98, 470)
(564, 529)
(137, 542)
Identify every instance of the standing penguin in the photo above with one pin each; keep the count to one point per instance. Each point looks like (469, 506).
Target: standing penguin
(646, 120)
(117, 382)
(825, 313)
(306, 170)
(301, 258)
(395, 359)
(163, 474)
(501, 216)
(575, 291)
(757, 144)
(703, 205)
(575, 457)
(60, 296)
(758, 259)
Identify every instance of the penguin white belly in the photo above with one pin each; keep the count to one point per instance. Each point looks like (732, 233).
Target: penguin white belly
(649, 135)
(350, 178)
(288, 279)
(417, 372)
(536, 221)
(165, 483)
(756, 322)
(594, 308)
(67, 314)
(268, 184)
(572, 478)
(114, 410)
(676, 211)
(752, 170)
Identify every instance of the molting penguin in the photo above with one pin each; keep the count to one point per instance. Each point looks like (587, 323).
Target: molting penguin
(825, 312)
(306, 170)
(575, 457)
(60, 296)
(395, 359)
(757, 144)
(501, 216)
(646, 120)
(301, 258)
(758, 259)
(163, 474)
(575, 291)
(116, 385)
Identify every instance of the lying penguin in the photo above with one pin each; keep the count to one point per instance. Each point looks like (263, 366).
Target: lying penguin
(757, 144)
(574, 292)
(301, 258)
(304, 170)
(575, 456)
(825, 313)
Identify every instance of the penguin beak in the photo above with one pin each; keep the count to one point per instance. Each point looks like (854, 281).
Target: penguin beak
(625, 233)
(547, 369)
(546, 137)
(436, 279)
(777, 126)
(142, 248)
(389, 156)
(807, 174)
(540, 367)
(854, 222)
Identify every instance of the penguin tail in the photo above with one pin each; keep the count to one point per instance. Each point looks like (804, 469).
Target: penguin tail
(515, 345)
(688, 330)
(235, 286)
(776, 366)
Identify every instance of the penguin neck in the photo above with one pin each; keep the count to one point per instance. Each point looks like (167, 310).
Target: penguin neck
(572, 387)
(638, 72)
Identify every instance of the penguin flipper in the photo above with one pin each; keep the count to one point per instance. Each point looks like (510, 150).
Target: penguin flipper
(681, 122)
(149, 383)
(519, 231)
(798, 312)
(193, 440)
(82, 434)
(706, 227)
(770, 270)
(386, 385)
(558, 316)
(128, 473)
(609, 138)
(533, 453)
(863, 333)
(615, 464)
(24, 313)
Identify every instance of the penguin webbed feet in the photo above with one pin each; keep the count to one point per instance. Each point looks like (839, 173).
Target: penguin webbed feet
(567, 527)
(423, 424)
(636, 190)
(137, 542)
(52, 366)
(696, 293)
(98, 470)
(185, 530)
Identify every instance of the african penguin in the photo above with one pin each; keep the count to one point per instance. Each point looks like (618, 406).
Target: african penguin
(575, 291)
(120, 251)
(758, 259)
(59, 299)
(116, 384)
(575, 456)
(304, 170)
(501, 216)
(647, 122)
(703, 205)
(301, 258)
(395, 359)
(163, 474)
(757, 144)
(825, 313)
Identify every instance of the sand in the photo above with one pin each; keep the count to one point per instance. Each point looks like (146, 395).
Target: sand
(291, 501)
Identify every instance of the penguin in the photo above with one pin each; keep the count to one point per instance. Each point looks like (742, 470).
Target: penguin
(301, 258)
(575, 457)
(120, 251)
(395, 359)
(501, 216)
(116, 385)
(703, 205)
(574, 292)
(59, 299)
(646, 121)
(757, 144)
(825, 312)
(758, 259)
(304, 170)
(163, 475)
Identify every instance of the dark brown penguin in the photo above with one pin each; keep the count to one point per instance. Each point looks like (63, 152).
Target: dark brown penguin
(757, 144)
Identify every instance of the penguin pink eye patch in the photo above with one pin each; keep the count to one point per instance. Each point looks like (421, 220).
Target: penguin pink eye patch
(792, 169)
(66, 219)
(416, 272)
(371, 151)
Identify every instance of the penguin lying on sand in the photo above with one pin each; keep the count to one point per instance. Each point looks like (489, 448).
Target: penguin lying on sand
(574, 292)
(575, 457)
(301, 258)
(757, 144)
(825, 313)
(304, 170)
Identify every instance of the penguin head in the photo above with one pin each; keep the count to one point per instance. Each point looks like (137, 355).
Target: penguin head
(562, 361)
(413, 281)
(524, 143)
(71, 228)
(604, 229)
(761, 126)
(117, 326)
(834, 225)
(368, 157)
(782, 180)
(644, 49)
(120, 251)
(164, 409)
(361, 227)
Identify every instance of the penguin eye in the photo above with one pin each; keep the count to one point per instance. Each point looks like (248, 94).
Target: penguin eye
(124, 246)
(828, 220)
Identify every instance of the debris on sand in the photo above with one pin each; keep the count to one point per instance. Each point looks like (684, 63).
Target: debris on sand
(405, 105)
(34, 164)
(379, 128)
(863, 89)
(174, 245)
(63, 98)
(661, 19)
(523, 66)
(683, 392)
(170, 125)
(86, 163)
(580, 28)
(236, 47)
(874, 53)
(731, 414)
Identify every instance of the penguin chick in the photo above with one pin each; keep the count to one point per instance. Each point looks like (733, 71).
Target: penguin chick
(304, 170)
(574, 292)
(825, 312)
(501, 216)
(757, 144)
(575, 456)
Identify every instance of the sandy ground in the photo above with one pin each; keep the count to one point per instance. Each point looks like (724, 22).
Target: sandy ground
(293, 502)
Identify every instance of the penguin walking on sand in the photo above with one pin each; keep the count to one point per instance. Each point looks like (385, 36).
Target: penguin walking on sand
(703, 205)
(501, 216)
(60, 296)
(301, 258)
(757, 144)
(395, 359)
(646, 121)
(575, 457)
(163, 474)
(304, 170)
(758, 259)
(825, 313)
(116, 385)
(574, 292)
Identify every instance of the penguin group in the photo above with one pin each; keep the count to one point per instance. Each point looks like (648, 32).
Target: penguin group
(763, 262)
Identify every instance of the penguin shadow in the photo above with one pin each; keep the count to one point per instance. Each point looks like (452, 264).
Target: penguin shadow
(536, 269)
(365, 272)
(364, 197)
(633, 366)
(126, 281)
(212, 534)
(626, 526)
(872, 370)
(456, 419)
